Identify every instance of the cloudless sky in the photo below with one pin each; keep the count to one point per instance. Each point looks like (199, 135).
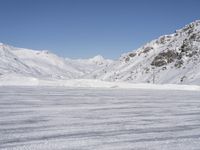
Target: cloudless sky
(84, 28)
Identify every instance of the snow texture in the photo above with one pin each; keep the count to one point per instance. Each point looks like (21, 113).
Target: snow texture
(56, 118)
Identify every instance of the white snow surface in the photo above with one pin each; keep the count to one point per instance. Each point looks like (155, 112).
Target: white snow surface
(89, 83)
(58, 118)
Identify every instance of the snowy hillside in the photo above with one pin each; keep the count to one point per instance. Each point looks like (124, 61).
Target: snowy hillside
(30, 63)
(18, 63)
(90, 65)
(171, 58)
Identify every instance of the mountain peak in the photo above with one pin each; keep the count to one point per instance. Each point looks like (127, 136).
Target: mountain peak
(97, 58)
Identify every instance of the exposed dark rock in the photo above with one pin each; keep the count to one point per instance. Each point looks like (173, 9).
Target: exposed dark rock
(127, 59)
(162, 40)
(146, 70)
(164, 58)
(182, 78)
(132, 55)
(189, 28)
(164, 68)
(147, 49)
(185, 47)
(193, 53)
(178, 63)
(193, 37)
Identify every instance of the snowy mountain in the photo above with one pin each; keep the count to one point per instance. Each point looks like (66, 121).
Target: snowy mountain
(90, 65)
(39, 64)
(173, 58)
(20, 62)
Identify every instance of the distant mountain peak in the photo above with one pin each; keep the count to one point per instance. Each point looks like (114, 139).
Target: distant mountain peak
(97, 58)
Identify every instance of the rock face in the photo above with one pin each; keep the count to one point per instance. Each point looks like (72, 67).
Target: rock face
(171, 58)
(164, 58)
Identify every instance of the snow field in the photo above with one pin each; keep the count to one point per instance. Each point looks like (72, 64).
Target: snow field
(38, 118)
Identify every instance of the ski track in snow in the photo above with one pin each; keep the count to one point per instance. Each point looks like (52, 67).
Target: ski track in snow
(56, 118)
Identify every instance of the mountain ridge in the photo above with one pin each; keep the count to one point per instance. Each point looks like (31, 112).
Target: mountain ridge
(169, 59)
(44, 64)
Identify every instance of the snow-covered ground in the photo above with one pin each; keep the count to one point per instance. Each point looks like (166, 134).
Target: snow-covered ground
(15, 80)
(55, 118)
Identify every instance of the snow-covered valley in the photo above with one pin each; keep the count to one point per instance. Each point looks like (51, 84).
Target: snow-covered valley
(149, 98)
(169, 59)
(57, 118)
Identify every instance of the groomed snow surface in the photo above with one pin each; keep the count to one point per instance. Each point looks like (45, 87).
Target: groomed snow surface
(58, 118)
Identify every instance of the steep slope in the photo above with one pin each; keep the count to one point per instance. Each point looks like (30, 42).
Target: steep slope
(11, 64)
(171, 58)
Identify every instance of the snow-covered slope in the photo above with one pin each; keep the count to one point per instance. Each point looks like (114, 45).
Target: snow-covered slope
(10, 63)
(16, 62)
(30, 63)
(90, 65)
(171, 58)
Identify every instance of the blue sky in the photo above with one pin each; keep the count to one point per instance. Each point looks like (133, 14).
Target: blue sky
(84, 28)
